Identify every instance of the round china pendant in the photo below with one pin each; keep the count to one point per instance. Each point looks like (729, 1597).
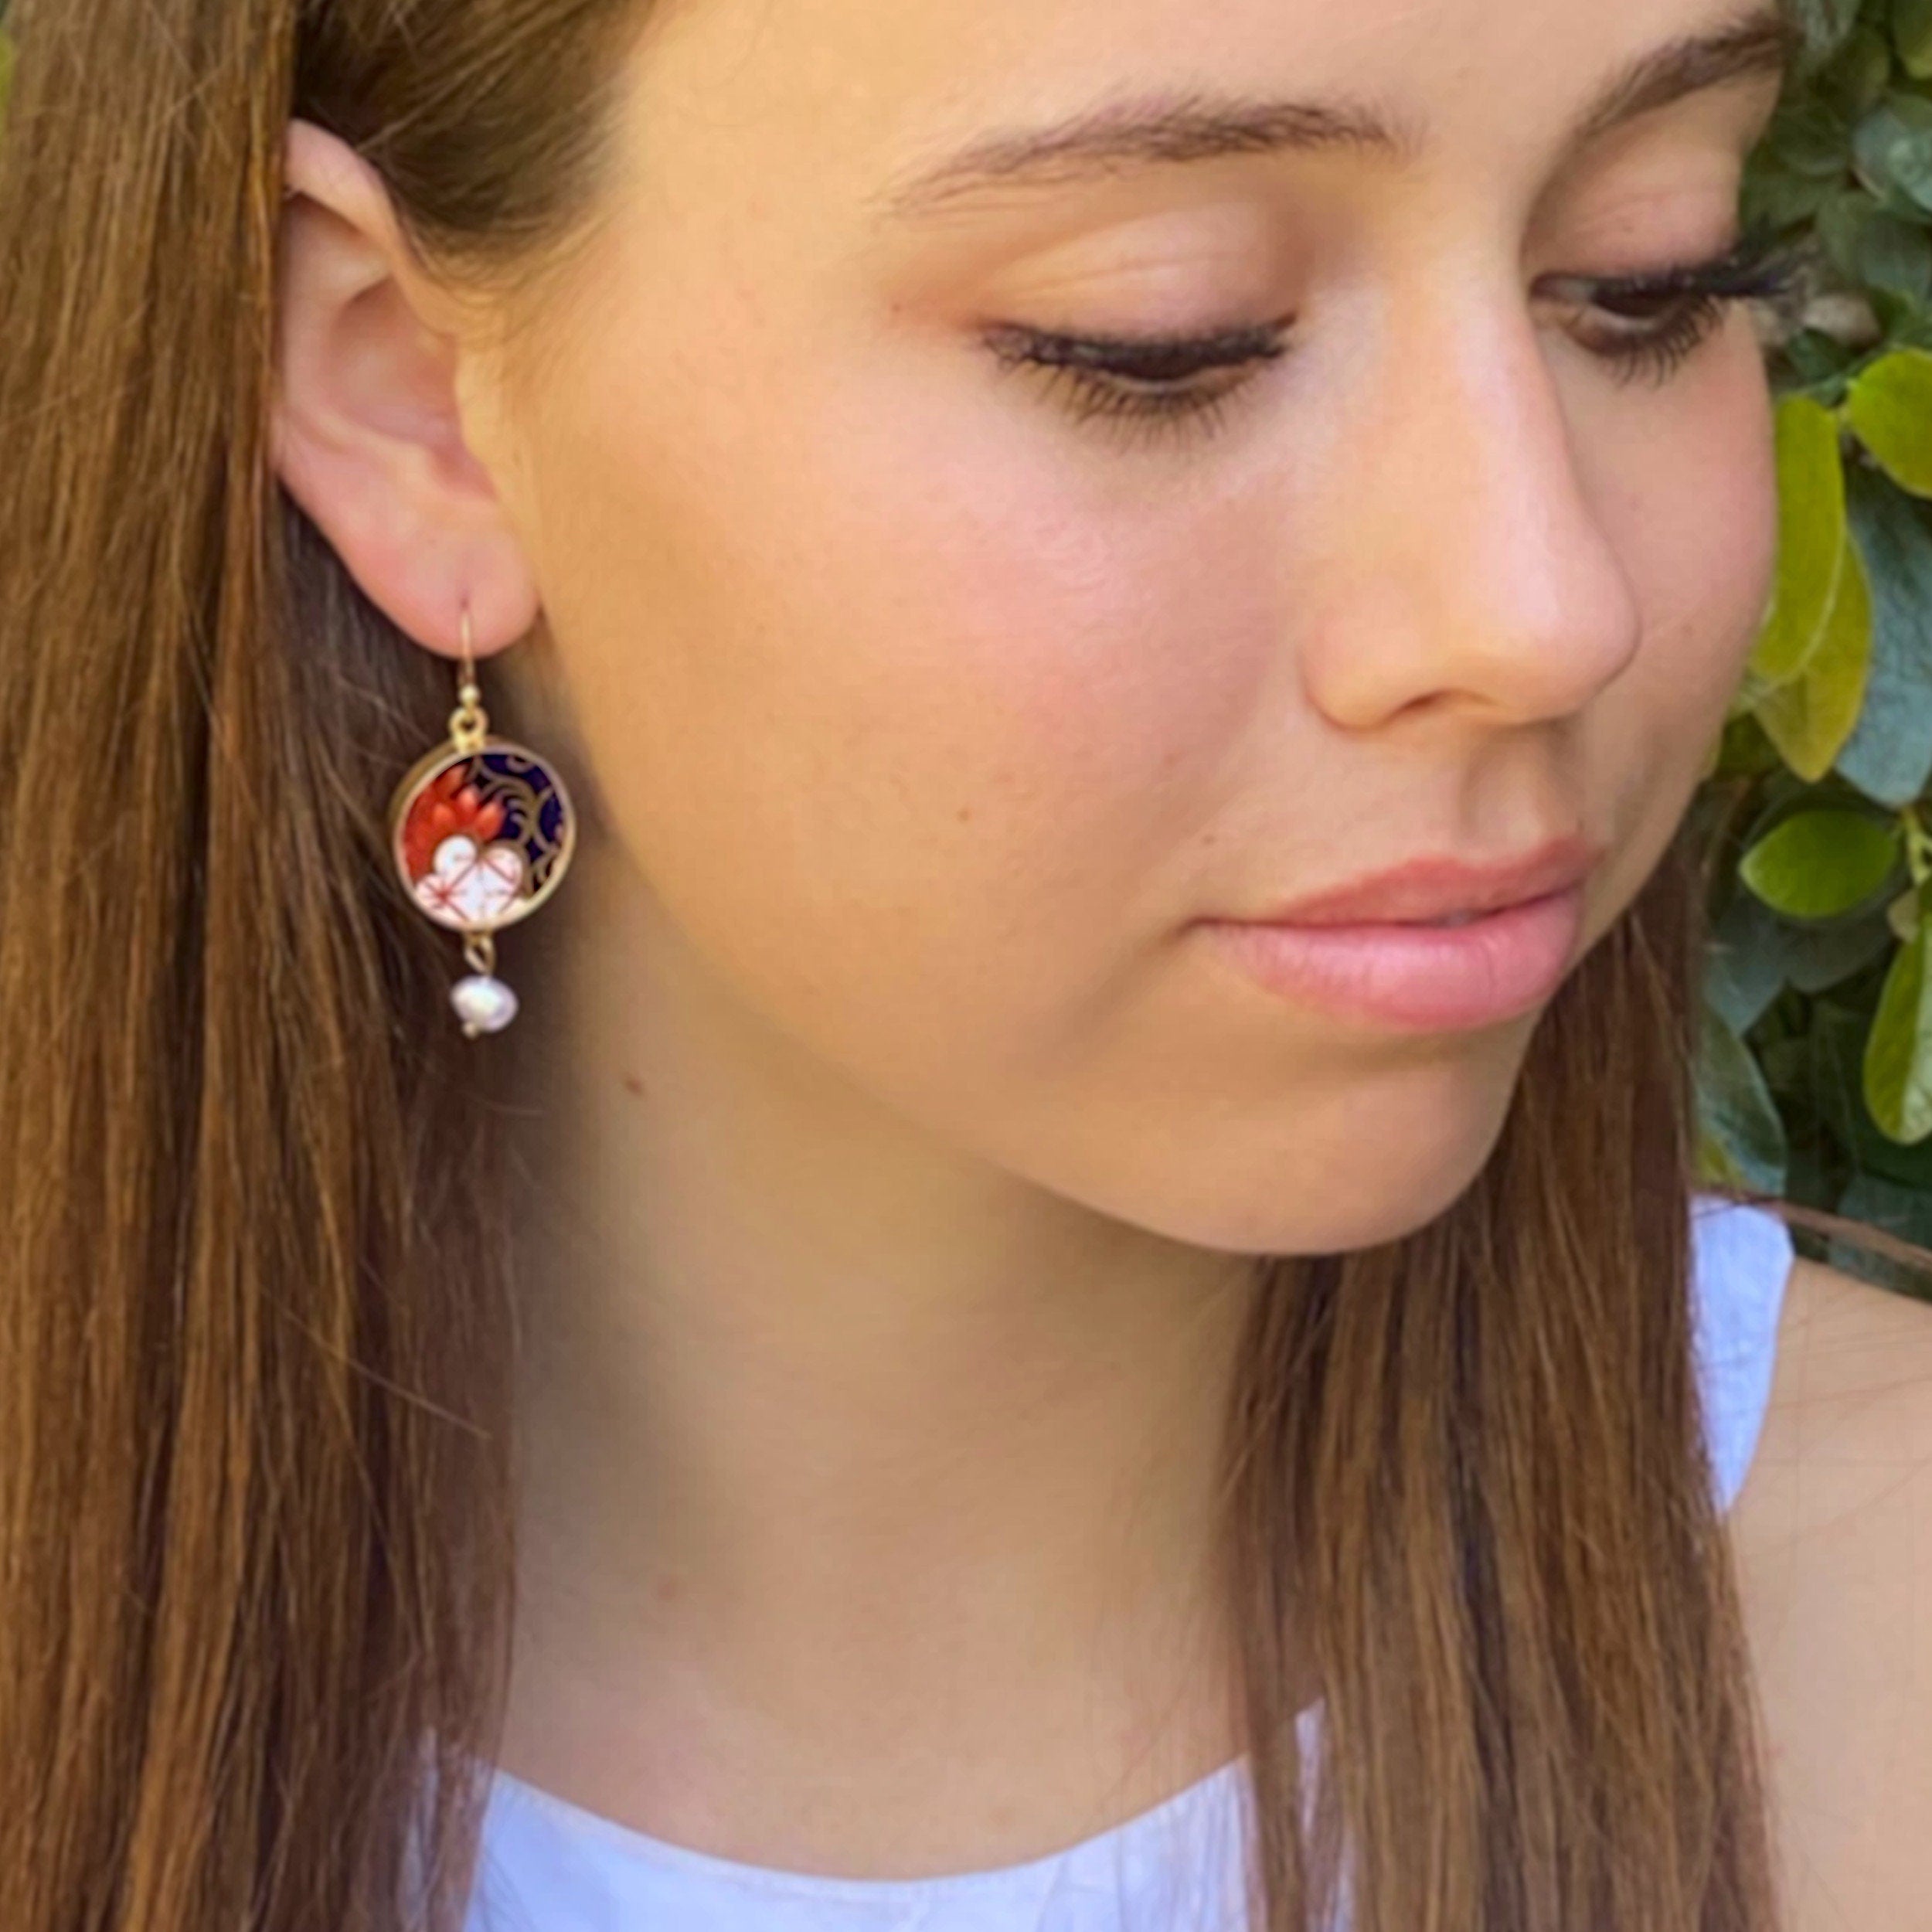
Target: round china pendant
(481, 838)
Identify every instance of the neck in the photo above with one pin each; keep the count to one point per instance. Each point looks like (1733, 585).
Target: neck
(851, 1463)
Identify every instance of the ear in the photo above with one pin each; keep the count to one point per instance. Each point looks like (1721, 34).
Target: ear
(366, 434)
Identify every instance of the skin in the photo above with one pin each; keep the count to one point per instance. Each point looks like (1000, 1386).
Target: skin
(1833, 1532)
(896, 1150)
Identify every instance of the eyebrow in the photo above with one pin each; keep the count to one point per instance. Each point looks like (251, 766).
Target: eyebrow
(1168, 129)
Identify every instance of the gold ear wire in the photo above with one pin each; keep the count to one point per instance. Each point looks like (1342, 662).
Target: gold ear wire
(469, 723)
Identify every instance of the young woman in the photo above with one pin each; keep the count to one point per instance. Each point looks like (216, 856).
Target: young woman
(1087, 632)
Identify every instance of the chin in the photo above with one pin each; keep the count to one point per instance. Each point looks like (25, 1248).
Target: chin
(1365, 1164)
(1374, 1223)
(1376, 1212)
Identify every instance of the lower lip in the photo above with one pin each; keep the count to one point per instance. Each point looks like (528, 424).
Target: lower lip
(1423, 979)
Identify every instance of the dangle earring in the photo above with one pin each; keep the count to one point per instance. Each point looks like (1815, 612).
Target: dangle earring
(482, 830)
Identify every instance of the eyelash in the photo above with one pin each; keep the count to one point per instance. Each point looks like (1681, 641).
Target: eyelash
(1101, 373)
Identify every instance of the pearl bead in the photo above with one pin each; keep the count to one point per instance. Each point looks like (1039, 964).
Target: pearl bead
(484, 1004)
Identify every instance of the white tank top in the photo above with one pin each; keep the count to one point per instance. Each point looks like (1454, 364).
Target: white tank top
(547, 1865)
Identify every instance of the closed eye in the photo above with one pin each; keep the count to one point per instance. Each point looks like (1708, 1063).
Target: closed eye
(1637, 324)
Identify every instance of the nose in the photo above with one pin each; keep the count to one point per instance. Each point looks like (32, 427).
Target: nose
(1468, 568)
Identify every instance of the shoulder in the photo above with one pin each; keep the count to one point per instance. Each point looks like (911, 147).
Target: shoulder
(1833, 1534)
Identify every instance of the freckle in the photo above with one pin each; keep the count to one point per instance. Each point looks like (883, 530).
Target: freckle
(965, 814)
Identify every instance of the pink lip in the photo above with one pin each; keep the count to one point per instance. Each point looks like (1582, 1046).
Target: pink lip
(1435, 887)
(1417, 978)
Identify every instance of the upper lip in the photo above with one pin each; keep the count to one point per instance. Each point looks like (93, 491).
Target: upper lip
(1439, 886)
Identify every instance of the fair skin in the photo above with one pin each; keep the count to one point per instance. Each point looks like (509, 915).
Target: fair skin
(896, 1150)
(1833, 1532)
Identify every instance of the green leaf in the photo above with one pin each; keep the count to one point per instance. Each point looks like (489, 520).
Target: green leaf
(1811, 720)
(1822, 364)
(1779, 197)
(1822, 865)
(1715, 1167)
(1912, 34)
(1825, 24)
(1743, 751)
(1811, 539)
(1810, 137)
(1902, 323)
(1736, 1109)
(1841, 222)
(1753, 954)
(1890, 756)
(1834, 1085)
(1858, 77)
(1744, 961)
(1889, 409)
(1892, 150)
(1898, 1058)
(1888, 252)
(1822, 957)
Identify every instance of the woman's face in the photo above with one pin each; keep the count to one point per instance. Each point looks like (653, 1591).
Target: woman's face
(932, 707)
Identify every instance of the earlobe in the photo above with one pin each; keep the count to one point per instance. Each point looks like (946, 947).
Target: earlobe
(366, 432)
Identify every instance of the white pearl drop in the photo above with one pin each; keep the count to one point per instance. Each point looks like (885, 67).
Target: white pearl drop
(484, 1004)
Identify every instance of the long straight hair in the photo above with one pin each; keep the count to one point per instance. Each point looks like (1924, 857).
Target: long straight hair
(255, 1332)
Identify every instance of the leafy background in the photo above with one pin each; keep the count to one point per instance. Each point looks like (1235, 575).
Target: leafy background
(1816, 1068)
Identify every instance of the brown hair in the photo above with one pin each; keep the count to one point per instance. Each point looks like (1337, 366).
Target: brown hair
(255, 1332)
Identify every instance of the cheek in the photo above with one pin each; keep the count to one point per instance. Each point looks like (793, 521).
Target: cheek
(873, 672)
(1693, 511)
